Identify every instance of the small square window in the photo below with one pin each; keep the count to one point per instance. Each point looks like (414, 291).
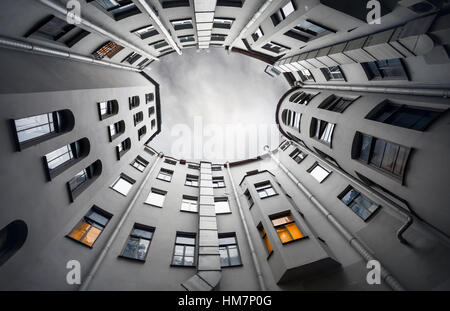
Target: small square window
(156, 197)
(165, 174)
(319, 172)
(221, 205)
(123, 184)
(265, 190)
(139, 163)
(189, 204)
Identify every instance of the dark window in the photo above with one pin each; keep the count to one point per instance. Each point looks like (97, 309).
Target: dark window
(173, 3)
(186, 38)
(265, 189)
(90, 227)
(231, 3)
(249, 198)
(218, 182)
(30, 131)
(149, 98)
(386, 156)
(153, 124)
(151, 111)
(229, 251)
(411, 117)
(322, 131)
(108, 108)
(218, 37)
(291, 118)
(257, 34)
(138, 118)
(359, 204)
(306, 75)
(216, 168)
(169, 161)
(184, 250)
(123, 148)
(134, 101)
(138, 242)
(333, 73)
(118, 9)
(297, 155)
(286, 228)
(139, 163)
(141, 132)
(145, 32)
(275, 47)
(283, 13)
(12, 237)
(83, 179)
(131, 58)
(181, 24)
(194, 166)
(336, 103)
(159, 44)
(116, 129)
(224, 23)
(389, 69)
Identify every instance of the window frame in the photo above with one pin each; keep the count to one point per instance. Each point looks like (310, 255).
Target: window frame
(262, 184)
(346, 191)
(141, 161)
(222, 199)
(185, 235)
(126, 178)
(165, 172)
(291, 220)
(314, 166)
(157, 191)
(130, 235)
(236, 244)
(190, 198)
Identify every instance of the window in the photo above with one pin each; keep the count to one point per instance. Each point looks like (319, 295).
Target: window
(333, 73)
(283, 13)
(218, 182)
(108, 49)
(173, 3)
(189, 204)
(159, 44)
(319, 172)
(358, 203)
(336, 103)
(184, 251)
(153, 124)
(186, 38)
(131, 58)
(194, 166)
(297, 155)
(224, 23)
(230, 3)
(149, 98)
(165, 175)
(221, 205)
(291, 118)
(134, 101)
(118, 9)
(265, 190)
(139, 163)
(310, 27)
(123, 184)
(275, 47)
(411, 117)
(90, 227)
(151, 111)
(218, 37)
(285, 146)
(156, 197)
(12, 238)
(228, 250)
(388, 69)
(145, 32)
(116, 129)
(181, 24)
(386, 156)
(108, 108)
(123, 148)
(171, 162)
(249, 198)
(191, 180)
(32, 130)
(216, 168)
(78, 183)
(62, 158)
(322, 131)
(306, 75)
(263, 234)
(286, 228)
(138, 242)
(257, 34)
(141, 132)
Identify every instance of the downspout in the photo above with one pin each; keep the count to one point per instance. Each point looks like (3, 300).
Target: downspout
(255, 17)
(61, 10)
(445, 93)
(158, 22)
(259, 274)
(39, 49)
(390, 280)
(91, 274)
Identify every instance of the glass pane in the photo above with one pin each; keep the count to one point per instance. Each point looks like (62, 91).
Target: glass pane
(349, 196)
(223, 257)
(80, 230)
(91, 236)
(33, 133)
(177, 260)
(142, 248)
(268, 245)
(385, 112)
(97, 217)
(406, 117)
(294, 231)
(188, 261)
(319, 173)
(179, 250)
(234, 256)
(284, 235)
(155, 199)
(426, 119)
(59, 156)
(142, 233)
(122, 186)
(189, 251)
(131, 247)
(366, 145)
(228, 240)
(390, 154)
(378, 151)
(400, 163)
(359, 210)
(77, 180)
(185, 240)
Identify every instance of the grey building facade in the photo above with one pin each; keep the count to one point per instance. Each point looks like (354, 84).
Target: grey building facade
(361, 177)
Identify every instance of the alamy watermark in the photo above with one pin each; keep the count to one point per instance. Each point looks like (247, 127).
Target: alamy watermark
(374, 15)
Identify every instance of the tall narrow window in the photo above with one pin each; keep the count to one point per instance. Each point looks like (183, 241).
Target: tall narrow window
(138, 242)
(156, 197)
(388, 69)
(189, 204)
(263, 234)
(139, 163)
(229, 251)
(123, 148)
(322, 131)
(249, 198)
(151, 111)
(191, 180)
(88, 230)
(286, 228)
(411, 117)
(12, 238)
(336, 103)
(221, 205)
(358, 203)
(265, 189)
(218, 182)
(258, 34)
(297, 155)
(116, 129)
(141, 132)
(108, 108)
(292, 119)
(36, 129)
(184, 250)
(283, 13)
(306, 75)
(134, 101)
(118, 9)
(319, 172)
(123, 184)
(83, 179)
(165, 174)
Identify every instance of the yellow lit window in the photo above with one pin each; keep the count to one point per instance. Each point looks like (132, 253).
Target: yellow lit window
(90, 227)
(287, 229)
(264, 236)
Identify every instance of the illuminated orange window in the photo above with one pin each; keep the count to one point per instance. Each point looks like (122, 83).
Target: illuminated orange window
(287, 229)
(264, 236)
(90, 227)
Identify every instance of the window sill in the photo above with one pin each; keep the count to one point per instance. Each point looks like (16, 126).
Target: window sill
(81, 243)
(190, 212)
(118, 191)
(293, 241)
(181, 266)
(132, 259)
(273, 195)
(232, 266)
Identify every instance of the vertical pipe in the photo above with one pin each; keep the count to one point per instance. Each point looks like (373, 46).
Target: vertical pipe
(262, 286)
(85, 285)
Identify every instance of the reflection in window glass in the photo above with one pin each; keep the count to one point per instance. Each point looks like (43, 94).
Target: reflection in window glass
(228, 249)
(184, 250)
(319, 172)
(265, 189)
(138, 243)
(221, 205)
(156, 198)
(122, 185)
(358, 203)
(59, 157)
(33, 127)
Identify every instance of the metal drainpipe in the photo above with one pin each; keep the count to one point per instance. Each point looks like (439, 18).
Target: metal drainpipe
(261, 10)
(262, 286)
(445, 93)
(352, 240)
(61, 10)
(84, 286)
(38, 49)
(156, 19)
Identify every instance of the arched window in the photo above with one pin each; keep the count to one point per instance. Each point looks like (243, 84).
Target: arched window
(78, 183)
(33, 130)
(123, 147)
(62, 158)
(12, 237)
(141, 132)
(108, 108)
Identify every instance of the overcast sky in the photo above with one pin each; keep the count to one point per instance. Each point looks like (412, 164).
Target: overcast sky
(215, 105)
